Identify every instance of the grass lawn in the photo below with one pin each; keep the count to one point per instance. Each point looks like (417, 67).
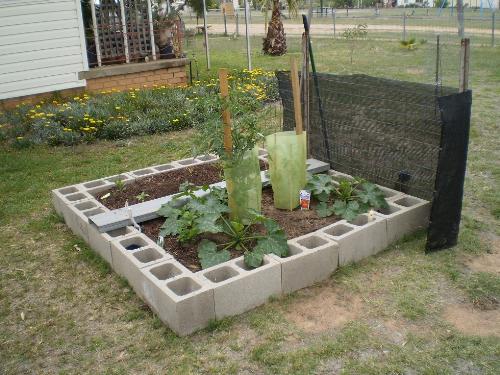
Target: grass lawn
(63, 311)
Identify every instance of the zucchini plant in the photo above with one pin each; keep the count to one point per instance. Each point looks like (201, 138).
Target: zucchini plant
(348, 199)
(209, 214)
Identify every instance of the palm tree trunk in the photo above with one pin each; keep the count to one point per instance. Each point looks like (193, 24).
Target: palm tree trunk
(275, 41)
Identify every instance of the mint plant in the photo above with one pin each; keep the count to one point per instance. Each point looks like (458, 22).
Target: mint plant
(347, 200)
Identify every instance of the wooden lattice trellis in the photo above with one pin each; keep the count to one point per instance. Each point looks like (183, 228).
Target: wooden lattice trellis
(114, 19)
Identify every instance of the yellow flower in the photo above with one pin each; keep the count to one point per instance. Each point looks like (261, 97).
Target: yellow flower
(19, 138)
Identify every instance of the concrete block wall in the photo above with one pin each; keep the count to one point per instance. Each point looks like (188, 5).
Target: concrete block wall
(188, 301)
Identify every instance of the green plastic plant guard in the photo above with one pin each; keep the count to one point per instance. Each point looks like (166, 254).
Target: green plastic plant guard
(244, 185)
(287, 167)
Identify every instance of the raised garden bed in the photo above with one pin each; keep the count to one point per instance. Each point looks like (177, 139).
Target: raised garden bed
(162, 184)
(294, 223)
(187, 301)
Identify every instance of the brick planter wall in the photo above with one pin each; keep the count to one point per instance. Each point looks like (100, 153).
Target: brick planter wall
(125, 77)
(117, 77)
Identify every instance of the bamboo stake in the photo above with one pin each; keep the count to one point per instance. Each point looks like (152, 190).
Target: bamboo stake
(296, 96)
(226, 115)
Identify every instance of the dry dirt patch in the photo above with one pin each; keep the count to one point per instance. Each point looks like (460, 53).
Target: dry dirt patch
(324, 310)
(489, 262)
(473, 321)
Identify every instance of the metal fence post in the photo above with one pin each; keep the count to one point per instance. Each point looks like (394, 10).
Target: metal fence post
(96, 33)
(404, 26)
(493, 29)
(225, 21)
(205, 31)
(334, 24)
(237, 25)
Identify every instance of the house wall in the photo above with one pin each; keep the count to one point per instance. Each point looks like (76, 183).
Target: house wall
(42, 47)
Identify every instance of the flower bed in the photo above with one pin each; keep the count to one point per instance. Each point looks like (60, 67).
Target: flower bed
(113, 115)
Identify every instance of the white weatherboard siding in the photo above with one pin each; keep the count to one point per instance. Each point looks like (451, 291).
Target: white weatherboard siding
(42, 46)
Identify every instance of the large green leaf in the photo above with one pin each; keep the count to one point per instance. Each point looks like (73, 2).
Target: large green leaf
(275, 244)
(171, 226)
(209, 256)
(346, 210)
(321, 186)
(371, 195)
(253, 259)
(167, 210)
(323, 210)
(208, 223)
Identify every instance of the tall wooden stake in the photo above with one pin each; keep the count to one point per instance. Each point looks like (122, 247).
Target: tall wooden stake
(226, 115)
(464, 65)
(296, 96)
(304, 82)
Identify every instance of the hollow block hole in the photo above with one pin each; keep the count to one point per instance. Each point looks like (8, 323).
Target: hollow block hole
(183, 286)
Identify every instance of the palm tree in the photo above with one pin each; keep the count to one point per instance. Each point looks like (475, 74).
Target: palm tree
(275, 40)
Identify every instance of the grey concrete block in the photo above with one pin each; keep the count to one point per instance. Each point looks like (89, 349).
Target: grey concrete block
(101, 242)
(359, 238)
(238, 288)
(187, 162)
(207, 158)
(131, 253)
(63, 197)
(405, 215)
(57, 197)
(312, 258)
(77, 216)
(180, 299)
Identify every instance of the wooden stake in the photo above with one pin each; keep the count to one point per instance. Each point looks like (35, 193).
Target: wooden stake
(464, 65)
(226, 115)
(296, 96)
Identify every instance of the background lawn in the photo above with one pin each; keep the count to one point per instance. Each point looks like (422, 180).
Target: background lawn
(63, 311)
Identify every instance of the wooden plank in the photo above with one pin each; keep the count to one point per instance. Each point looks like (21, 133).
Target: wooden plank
(464, 65)
(50, 53)
(66, 81)
(148, 210)
(297, 107)
(24, 19)
(39, 64)
(37, 9)
(43, 45)
(36, 27)
(226, 115)
(35, 74)
(28, 39)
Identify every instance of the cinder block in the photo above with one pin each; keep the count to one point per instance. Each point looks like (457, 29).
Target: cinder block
(77, 216)
(186, 162)
(143, 172)
(101, 242)
(360, 238)
(68, 195)
(405, 215)
(207, 158)
(180, 298)
(130, 253)
(164, 167)
(96, 186)
(312, 258)
(238, 288)
(58, 197)
(337, 176)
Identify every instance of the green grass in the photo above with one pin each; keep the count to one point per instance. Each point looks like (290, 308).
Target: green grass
(80, 317)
